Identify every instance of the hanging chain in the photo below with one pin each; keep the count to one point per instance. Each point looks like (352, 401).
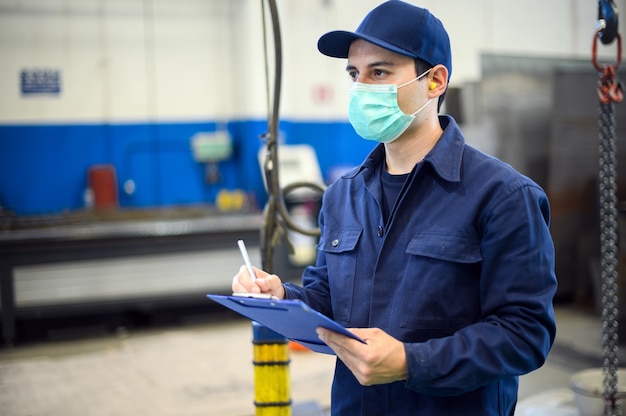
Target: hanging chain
(610, 91)
(609, 256)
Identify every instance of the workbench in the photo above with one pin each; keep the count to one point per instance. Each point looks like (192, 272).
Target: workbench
(111, 236)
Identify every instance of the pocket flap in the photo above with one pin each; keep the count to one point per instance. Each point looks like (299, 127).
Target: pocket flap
(340, 240)
(444, 246)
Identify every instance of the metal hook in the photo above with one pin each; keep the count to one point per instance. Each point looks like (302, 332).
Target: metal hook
(608, 21)
(594, 52)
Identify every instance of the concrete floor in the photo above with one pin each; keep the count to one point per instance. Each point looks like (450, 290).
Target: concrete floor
(205, 369)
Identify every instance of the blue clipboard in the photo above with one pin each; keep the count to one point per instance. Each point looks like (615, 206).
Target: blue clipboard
(291, 318)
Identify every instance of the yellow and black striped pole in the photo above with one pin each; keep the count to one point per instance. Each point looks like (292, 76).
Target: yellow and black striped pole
(272, 388)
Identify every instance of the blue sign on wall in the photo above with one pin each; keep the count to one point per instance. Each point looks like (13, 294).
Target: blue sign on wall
(40, 81)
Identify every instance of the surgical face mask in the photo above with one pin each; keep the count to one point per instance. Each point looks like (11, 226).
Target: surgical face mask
(374, 112)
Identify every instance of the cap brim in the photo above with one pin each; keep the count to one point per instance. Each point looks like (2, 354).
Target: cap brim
(336, 44)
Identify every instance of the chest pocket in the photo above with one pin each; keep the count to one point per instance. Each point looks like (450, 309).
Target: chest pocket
(339, 247)
(446, 269)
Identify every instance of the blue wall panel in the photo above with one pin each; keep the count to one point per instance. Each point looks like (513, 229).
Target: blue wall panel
(43, 168)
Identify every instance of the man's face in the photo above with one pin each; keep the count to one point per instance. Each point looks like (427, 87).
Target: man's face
(371, 64)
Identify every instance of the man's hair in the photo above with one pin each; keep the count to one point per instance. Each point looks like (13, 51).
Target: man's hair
(422, 66)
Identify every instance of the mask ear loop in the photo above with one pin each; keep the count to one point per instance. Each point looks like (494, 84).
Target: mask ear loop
(415, 79)
(422, 107)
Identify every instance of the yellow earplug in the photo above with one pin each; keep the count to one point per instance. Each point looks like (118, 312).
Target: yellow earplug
(433, 85)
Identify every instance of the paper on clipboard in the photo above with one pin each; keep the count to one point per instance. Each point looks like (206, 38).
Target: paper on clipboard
(292, 318)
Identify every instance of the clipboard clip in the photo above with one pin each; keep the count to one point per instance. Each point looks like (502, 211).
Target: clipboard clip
(255, 295)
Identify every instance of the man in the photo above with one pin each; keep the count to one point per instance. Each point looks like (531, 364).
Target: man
(435, 254)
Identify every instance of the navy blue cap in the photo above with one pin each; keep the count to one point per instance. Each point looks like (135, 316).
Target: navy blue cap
(399, 27)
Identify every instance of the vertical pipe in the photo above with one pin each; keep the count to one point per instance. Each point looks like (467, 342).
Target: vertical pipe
(271, 350)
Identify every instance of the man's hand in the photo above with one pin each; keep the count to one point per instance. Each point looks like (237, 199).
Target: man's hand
(382, 360)
(265, 283)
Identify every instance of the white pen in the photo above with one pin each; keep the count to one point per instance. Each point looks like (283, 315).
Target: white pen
(246, 259)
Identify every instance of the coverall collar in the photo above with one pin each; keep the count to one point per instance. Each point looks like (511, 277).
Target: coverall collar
(445, 157)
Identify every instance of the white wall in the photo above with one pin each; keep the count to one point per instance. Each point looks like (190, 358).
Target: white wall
(121, 60)
(134, 60)
(555, 28)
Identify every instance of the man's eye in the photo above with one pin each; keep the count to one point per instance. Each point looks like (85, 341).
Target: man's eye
(353, 75)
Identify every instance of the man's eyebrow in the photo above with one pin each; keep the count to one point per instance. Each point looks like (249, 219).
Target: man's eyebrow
(372, 65)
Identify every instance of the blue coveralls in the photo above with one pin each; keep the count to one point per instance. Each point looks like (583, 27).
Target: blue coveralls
(462, 273)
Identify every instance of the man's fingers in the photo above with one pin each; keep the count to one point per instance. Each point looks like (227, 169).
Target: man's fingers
(242, 282)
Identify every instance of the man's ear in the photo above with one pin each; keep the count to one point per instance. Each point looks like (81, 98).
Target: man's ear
(438, 83)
